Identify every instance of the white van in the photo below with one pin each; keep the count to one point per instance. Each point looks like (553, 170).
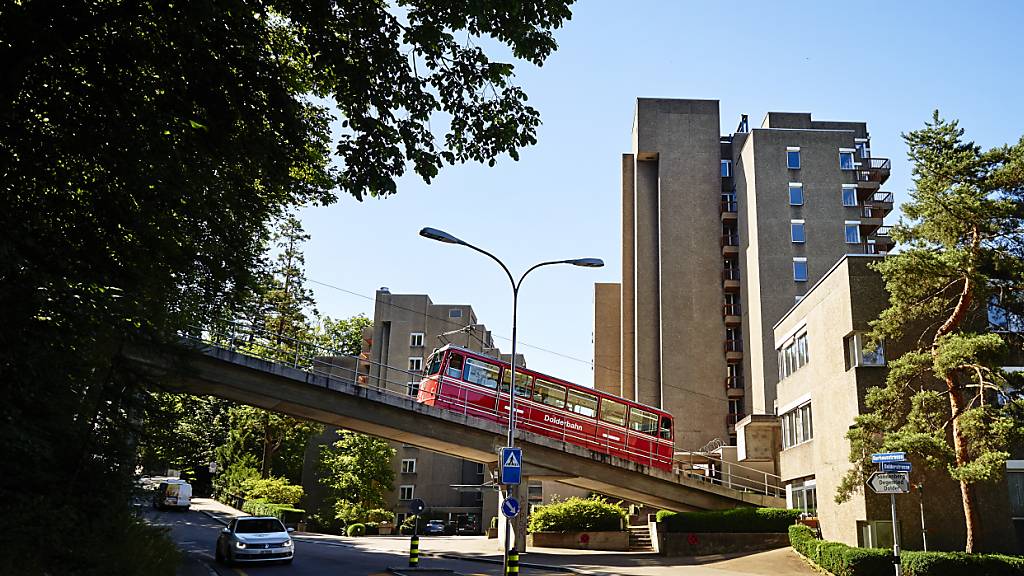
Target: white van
(173, 494)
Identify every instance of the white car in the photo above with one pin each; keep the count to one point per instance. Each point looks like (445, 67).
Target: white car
(255, 539)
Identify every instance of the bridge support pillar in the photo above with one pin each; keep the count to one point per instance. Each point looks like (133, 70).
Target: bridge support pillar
(519, 523)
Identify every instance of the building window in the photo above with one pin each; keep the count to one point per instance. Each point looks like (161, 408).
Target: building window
(858, 353)
(408, 466)
(535, 493)
(1015, 483)
(416, 339)
(726, 168)
(852, 232)
(849, 195)
(803, 495)
(793, 158)
(846, 160)
(793, 354)
(480, 469)
(797, 426)
(412, 387)
(796, 230)
(415, 363)
(454, 313)
(405, 492)
(796, 194)
(800, 269)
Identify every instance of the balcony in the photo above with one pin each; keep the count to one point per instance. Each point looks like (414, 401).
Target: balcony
(870, 220)
(734, 387)
(732, 419)
(873, 170)
(728, 210)
(882, 237)
(730, 244)
(878, 204)
(731, 279)
(733, 350)
(731, 314)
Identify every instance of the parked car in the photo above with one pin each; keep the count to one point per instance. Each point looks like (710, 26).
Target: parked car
(434, 528)
(255, 539)
(173, 494)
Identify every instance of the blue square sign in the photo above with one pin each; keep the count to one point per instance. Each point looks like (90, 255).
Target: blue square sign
(511, 465)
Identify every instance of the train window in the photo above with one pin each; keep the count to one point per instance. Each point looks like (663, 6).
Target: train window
(643, 421)
(613, 412)
(549, 393)
(582, 403)
(522, 383)
(455, 366)
(480, 372)
(434, 364)
(666, 427)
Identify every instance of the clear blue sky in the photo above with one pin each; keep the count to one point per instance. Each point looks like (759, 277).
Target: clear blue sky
(887, 63)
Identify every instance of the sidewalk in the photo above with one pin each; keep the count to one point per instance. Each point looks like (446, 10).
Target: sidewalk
(593, 562)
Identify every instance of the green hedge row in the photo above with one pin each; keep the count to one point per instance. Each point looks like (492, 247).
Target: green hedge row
(261, 507)
(578, 515)
(843, 560)
(735, 520)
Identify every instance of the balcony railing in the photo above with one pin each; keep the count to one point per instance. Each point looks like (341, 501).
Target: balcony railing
(730, 239)
(731, 274)
(729, 206)
(882, 198)
(873, 170)
(734, 382)
(883, 231)
(734, 345)
(877, 163)
(872, 212)
(867, 248)
(732, 419)
(731, 309)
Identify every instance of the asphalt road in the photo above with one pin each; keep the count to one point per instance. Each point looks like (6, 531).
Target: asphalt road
(195, 534)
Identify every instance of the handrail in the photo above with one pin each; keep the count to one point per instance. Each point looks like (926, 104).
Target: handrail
(731, 274)
(728, 206)
(730, 239)
(878, 163)
(882, 197)
(883, 231)
(717, 471)
(734, 345)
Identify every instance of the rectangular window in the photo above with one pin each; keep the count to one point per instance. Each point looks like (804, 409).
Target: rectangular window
(479, 469)
(846, 160)
(797, 426)
(863, 148)
(796, 231)
(858, 352)
(852, 232)
(735, 406)
(454, 313)
(405, 492)
(613, 412)
(849, 195)
(415, 363)
(804, 496)
(796, 194)
(726, 168)
(408, 466)
(800, 269)
(793, 158)
(643, 421)
(416, 339)
(1015, 483)
(522, 383)
(582, 403)
(481, 373)
(412, 388)
(549, 393)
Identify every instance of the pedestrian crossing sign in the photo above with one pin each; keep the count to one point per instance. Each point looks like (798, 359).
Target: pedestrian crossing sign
(511, 465)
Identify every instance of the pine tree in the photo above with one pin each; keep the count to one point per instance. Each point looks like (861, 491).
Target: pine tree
(955, 290)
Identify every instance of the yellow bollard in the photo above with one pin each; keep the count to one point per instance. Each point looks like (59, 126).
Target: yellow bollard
(414, 552)
(513, 563)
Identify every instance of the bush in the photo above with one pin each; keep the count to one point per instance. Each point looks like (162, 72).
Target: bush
(261, 507)
(578, 515)
(230, 481)
(737, 520)
(843, 560)
(272, 489)
(380, 516)
(356, 530)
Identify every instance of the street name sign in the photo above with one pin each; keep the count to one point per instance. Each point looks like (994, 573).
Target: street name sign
(895, 466)
(510, 507)
(511, 465)
(888, 457)
(889, 482)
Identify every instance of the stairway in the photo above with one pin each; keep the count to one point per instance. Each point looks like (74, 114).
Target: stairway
(640, 539)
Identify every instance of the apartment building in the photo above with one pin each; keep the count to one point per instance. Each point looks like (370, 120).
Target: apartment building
(721, 235)
(824, 373)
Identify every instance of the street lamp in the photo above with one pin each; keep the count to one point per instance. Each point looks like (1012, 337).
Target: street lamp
(442, 236)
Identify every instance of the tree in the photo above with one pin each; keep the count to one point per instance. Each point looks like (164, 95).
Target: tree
(357, 470)
(960, 268)
(344, 335)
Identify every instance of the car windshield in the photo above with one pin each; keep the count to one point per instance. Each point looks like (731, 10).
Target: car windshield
(258, 525)
(435, 523)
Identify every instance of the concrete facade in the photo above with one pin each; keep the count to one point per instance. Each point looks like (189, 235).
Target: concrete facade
(708, 253)
(828, 392)
(607, 330)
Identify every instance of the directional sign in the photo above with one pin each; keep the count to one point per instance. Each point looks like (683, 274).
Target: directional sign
(416, 506)
(511, 465)
(510, 507)
(895, 466)
(889, 482)
(888, 457)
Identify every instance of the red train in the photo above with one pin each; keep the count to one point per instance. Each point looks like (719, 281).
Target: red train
(467, 382)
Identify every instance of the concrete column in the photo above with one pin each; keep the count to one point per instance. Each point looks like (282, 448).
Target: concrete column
(519, 523)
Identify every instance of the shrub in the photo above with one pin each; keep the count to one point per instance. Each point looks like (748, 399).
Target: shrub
(349, 512)
(736, 520)
(272, 489)
(261, 507)
(577, 515)
(380, 516)
(356, 530)
(843, 560)
(230, 481)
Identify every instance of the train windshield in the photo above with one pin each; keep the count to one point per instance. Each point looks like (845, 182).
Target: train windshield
(434, 364)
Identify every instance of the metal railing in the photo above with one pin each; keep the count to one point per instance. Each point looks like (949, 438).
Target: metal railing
(728, 206)
(730, 239)
(731, 274)
(707, 467)
(882, 197)
(731, 309)
(883, 231)
(734, 382)
(732, 419)
(734, 345)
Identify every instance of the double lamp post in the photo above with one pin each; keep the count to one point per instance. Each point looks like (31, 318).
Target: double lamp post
(442, 236)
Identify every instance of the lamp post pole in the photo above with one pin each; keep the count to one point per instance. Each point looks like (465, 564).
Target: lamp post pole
(441, 236)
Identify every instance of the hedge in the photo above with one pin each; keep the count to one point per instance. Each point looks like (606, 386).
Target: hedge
(578, 515)
(843, 560)
(261, 507)
(736, 520)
